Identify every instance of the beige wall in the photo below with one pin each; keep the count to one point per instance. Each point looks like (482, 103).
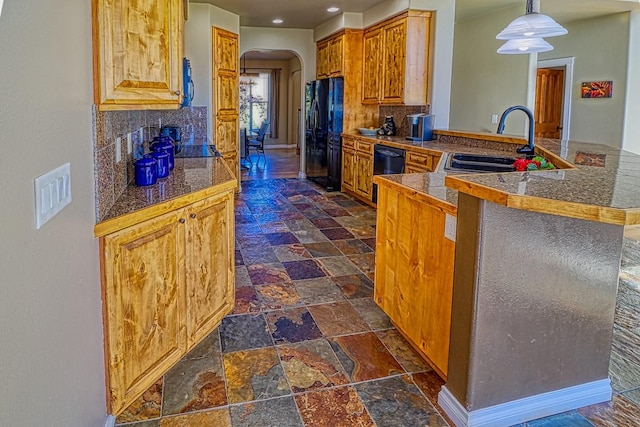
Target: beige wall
(600, 48)
(484, 82)
(197, 34)
(631, 136)
(51, 358)
(283, 112)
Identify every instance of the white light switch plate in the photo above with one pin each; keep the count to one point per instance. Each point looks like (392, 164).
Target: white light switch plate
(494, 118)
(53, 192)
(129, 143)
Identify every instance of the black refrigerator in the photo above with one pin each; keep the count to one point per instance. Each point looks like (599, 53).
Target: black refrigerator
(323, 141)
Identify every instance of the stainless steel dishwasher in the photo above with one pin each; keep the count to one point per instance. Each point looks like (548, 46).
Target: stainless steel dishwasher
(387, 160)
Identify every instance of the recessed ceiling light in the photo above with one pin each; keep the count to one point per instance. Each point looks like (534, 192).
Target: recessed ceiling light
(333, 9)
(277, 21)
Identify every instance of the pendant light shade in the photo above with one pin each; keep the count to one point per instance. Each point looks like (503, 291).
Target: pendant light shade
(532, 24)
(523, 46)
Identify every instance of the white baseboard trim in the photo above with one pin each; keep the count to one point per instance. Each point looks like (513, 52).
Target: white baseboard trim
(269, 147)
(528, 408)
(110, 421)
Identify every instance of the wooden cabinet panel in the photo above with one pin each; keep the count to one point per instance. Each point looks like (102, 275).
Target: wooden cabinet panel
(137, 54)
(348, 169)
(336, 57)
(364, 175)
(393, 60)
(414, 273)
(226, 134)
(227, 95)
(226, 51)
(144, 304)
(210, 271)
(423, 161)
(322, 60)
(372, 46)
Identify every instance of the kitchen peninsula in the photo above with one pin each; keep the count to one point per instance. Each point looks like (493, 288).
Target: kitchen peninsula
(534, 277)
(167, 272)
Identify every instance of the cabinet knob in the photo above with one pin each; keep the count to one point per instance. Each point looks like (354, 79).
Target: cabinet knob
(181, 221)
(177, 92)
(192, 215)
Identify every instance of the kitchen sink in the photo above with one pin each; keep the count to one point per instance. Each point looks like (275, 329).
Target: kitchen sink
(480, 163)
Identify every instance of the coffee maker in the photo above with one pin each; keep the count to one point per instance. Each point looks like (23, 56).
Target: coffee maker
(420, 127)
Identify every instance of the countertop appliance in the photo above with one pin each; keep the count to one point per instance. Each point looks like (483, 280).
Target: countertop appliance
(420, 127)
(324, 101)
(387, 160)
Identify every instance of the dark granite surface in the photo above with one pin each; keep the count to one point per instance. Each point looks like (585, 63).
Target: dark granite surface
(189, 176)
(606, 177)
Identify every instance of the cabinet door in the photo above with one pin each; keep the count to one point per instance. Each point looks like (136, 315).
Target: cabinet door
(364, 173)
(414, 273)
(210, 265)
(336, 56)
(227, 94)
(393, 62)
(348, 169)
(372, 46)
(232, 160)
(138, 54)
(144, 295)
(322, 60)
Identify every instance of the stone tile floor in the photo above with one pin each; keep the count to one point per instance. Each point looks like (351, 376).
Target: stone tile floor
(307, 346)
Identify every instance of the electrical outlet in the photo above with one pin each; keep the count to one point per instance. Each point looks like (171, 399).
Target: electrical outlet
(129, 143)
(160, 123)
(118, 149)
(494, 118)
(141, 135)
(53, 192)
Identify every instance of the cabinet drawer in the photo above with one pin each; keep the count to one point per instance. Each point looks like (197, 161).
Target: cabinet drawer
(415, 169)
(365, 146)
(348, 142)
(420, 159)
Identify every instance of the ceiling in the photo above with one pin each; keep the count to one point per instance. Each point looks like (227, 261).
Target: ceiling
(311, 13)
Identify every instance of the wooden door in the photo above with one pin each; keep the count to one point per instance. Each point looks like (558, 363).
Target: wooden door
(210, 265)
(549, 102)
(372, 46)
(138, 54)
(226, 96)
(393, 62)
(144, 296)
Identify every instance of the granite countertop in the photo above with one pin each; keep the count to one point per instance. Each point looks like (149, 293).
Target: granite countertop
(602, 187)
(192, 179)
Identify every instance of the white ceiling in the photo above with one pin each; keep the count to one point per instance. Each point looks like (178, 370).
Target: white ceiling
(311, 13)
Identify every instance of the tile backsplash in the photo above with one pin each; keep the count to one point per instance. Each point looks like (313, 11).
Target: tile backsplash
(111, 177)
(399, 113)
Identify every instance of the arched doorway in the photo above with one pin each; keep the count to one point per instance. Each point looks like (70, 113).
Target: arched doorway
(270, 90)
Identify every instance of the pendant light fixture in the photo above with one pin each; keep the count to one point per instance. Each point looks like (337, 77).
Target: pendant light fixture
(522, 46)
(524, 34)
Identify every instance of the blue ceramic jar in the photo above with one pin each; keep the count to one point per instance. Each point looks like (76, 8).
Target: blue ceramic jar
(163, 143)
(146, 171)
(162, 160)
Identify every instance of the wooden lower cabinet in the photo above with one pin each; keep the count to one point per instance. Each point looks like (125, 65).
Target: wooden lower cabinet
(348, 169)
(364, 175)
(357, 167)
(167, 283)
(414, 271)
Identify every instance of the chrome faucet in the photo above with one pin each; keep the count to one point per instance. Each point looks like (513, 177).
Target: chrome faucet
(527, 149)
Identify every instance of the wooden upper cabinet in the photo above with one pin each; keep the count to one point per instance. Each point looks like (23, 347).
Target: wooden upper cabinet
(322, 60)
(397, 60)
(372, 51)
(336, 57)
(137, 49)
(226, 51)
